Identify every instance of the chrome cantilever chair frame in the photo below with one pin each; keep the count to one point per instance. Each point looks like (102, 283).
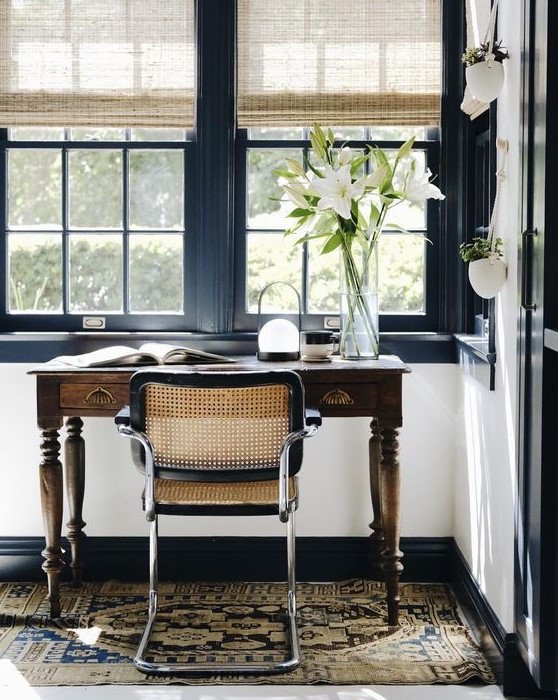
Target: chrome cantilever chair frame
(286, 507)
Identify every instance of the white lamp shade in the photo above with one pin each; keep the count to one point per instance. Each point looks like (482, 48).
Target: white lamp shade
(278, 336)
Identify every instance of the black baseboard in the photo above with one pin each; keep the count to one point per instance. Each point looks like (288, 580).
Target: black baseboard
(229, 558)
(500, 647)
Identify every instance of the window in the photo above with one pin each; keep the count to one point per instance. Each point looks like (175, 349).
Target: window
(407, 301)
(152, 217)
(95, 226)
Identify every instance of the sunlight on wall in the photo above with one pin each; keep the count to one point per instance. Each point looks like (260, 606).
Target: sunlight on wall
(476, 450)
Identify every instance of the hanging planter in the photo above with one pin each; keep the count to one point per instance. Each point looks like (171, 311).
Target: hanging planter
(485, 79)
(487, 276)
(487, 268)
(485, 64)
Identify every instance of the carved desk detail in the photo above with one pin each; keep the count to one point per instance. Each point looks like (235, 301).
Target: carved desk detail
(338, 397)
(98, 397)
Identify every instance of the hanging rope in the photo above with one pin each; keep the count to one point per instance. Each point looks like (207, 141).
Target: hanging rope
(502, 151)
(490, 31)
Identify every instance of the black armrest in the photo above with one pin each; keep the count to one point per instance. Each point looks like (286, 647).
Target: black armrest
(123, 416)
(313, 416)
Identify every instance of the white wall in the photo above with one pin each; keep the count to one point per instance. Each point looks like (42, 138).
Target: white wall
(458, 451)
(335, 497)
(485, 486)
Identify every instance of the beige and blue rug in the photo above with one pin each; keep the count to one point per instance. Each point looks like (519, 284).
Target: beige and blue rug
(343, 635)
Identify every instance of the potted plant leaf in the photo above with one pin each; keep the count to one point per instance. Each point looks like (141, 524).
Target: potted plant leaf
(487, 269)
(484, 70)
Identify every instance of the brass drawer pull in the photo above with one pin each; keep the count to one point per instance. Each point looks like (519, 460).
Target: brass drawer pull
(99, 397)
(338, 397)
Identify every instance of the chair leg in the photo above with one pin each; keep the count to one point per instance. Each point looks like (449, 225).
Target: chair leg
(198, 669)
(139, 661)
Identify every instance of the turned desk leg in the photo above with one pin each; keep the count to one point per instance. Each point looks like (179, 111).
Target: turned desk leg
(74, 464)
(390, 489)
(375, 456)
(50, 474)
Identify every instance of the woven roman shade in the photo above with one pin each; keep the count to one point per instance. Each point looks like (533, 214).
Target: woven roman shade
(97, 63)
(338, 62)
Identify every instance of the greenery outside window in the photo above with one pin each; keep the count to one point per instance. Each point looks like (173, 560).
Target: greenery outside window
(406, 297)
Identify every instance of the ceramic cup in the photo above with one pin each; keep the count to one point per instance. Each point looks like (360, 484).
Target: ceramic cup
(316, 346)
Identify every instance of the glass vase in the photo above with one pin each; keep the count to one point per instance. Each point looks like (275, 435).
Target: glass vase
(359, 337)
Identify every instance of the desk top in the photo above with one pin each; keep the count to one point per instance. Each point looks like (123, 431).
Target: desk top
(385, 364)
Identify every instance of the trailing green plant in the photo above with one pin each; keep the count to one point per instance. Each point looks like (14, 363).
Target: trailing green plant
(477, 54)
(480, 248)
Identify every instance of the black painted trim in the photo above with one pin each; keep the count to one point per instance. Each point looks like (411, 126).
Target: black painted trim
(41, 347)
(501, 648)
(228, 558)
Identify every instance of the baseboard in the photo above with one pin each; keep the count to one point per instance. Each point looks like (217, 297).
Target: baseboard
(499, 646)
(229, 558)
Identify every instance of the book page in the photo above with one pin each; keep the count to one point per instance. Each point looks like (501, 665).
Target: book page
(114, 355)
(176, 354)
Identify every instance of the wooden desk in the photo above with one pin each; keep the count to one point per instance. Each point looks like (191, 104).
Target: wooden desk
(338, 388)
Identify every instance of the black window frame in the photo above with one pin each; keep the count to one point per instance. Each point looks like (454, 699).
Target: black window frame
(214, 283)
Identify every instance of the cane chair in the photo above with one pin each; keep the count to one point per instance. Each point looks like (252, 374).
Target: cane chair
(218, 443)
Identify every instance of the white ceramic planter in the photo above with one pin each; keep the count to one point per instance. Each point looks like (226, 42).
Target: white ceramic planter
(487, 276)
(485, 80)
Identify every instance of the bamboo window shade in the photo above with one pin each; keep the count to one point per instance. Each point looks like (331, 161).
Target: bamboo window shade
(339, 62)
(111, 63)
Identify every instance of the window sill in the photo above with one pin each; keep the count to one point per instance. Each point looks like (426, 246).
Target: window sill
(41, 347)
(476, 346)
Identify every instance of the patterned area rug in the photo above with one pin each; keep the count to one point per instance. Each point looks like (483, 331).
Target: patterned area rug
(343, 635)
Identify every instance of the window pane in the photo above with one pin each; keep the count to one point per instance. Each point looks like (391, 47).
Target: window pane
(95, 189)
(97, 134)
(275, 133)
(264, 211)
(401, 273)
(397, 133)
(34, 189)
(323, 280)
(345, 133)
(157, 189)
(95, 273)
(35, 271)
(156, 273)
(158, 135)
(270, 258)
(28, 134)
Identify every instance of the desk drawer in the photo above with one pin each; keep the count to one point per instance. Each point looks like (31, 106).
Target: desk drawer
(98, 397)
(345, 399)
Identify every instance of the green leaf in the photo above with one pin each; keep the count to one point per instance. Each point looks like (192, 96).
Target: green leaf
(405, 149)
(300, 212)
(374, 216)
(333, 243)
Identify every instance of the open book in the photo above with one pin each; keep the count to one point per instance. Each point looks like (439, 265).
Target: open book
(146, 354)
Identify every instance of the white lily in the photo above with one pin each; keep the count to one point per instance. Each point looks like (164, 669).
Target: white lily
(336, 190)
(416, 184)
